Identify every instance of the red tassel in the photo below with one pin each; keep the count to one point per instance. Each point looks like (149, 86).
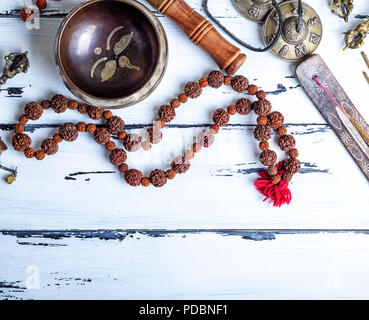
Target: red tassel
(279, 193)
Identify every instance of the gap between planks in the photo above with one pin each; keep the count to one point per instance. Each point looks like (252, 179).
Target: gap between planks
(121, 234)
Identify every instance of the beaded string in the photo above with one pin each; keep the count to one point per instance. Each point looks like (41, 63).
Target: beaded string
(272, 182)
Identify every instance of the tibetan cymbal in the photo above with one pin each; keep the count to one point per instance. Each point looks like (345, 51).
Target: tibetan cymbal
(293, 45)
(255, 10)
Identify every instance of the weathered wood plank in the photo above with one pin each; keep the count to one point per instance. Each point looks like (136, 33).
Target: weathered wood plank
(217, 192)
(184, 265)
(279, 80)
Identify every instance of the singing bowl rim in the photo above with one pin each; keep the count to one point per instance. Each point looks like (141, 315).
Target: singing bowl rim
(140, 94)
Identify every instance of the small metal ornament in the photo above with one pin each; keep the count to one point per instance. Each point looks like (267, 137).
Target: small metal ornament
(294, 45)
(342, 8)
(355, 38)
(255, 10)
(12, 177)
(16, 62)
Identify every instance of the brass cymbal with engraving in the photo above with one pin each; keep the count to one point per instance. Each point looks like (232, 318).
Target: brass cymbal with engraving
(255, 10)
(293, 45)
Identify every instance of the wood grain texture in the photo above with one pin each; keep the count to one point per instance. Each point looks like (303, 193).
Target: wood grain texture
(226, 264)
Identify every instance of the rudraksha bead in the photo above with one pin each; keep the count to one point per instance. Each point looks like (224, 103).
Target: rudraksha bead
(49, 146)
(122, 135)
(81, 126)
(206, 138)
(293, 153)
(175, 103)
(264, 145)
(154, 135)
(45, 104)
(40, 155)
(215, 79)
(159, 123)
(115, 125)
(158, 178)
(262, 107)
(221, 117)
(189, 155)
(166, 113)
(18, 128)
(227, 80)
(132, 142)
(276, 179)
(146, 145)
(231, 109)
(133, 177)
(82, 108)
(262, 120)
(261, 94)
(182, 98)
(281, 131)
(214, 128)
(23, 119)
(33, 111)
(91, 128)
(243, 106)
(107, 114)
(68, 132)
(196, 147)
(29, 153)
(145, 181)
(59, 103)
(287, 176)
(275, 119)
(287, 142)
(180, 165)
(203, 83)
(102, 136)
(268, 157)
(21, 142)
(193, 89)
(170, 174)
(57, 138)
(292, 165)
(117, 157)
(240, 84)
(272, 170)
(73, 104)
(95, 113)
(262, 133)
(252, 89)
(110, 146)
(123, 167)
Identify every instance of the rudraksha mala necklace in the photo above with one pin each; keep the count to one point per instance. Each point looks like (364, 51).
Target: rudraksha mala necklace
(272, 182)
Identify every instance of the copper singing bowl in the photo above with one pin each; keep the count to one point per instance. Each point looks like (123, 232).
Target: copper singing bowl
(111, 53)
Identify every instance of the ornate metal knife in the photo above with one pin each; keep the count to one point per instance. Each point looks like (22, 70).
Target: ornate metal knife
(336, 107)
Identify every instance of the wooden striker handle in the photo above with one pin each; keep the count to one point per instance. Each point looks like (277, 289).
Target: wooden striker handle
(202, 33)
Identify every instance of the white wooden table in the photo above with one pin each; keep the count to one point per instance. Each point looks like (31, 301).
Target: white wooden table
(71, 228)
